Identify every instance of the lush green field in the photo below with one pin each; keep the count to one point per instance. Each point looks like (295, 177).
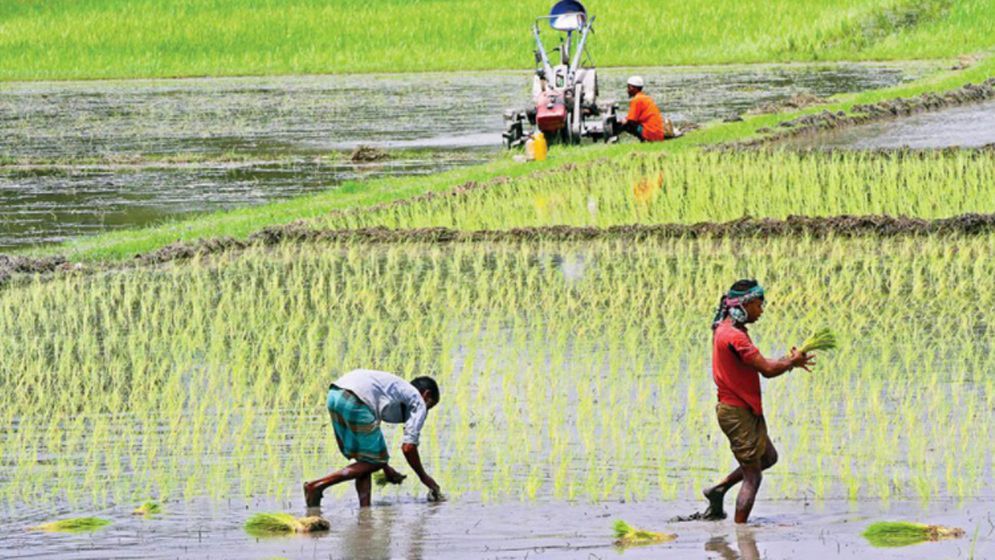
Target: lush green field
(568, 370)
(62, 39)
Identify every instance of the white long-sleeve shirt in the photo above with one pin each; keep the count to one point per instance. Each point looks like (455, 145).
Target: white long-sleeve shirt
(392, 399)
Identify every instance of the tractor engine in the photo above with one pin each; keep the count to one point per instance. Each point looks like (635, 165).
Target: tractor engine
(551, 112)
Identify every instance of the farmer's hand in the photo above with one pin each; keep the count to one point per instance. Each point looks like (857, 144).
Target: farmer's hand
(393, 476)
(801, 360)
(436, 495)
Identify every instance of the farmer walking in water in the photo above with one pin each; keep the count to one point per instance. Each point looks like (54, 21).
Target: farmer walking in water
(357, 403)
(736, 369)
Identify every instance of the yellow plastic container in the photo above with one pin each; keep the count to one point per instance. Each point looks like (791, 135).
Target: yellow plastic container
(540, 146)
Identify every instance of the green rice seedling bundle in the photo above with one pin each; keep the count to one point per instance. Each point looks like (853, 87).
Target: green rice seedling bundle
(74, 525)
(147, 509)
(900, 533)
(274, 524)
(822, 339)
(626, 535)
(381, 480)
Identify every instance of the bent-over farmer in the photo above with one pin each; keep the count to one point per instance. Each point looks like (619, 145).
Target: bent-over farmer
(737, 365)
(644, 120)
(357, 403)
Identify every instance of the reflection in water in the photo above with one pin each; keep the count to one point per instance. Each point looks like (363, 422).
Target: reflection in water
(571, 265)
(370, 536)
(745, 541)
(383, 531)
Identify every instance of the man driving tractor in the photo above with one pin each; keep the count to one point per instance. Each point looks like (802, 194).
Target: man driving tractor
(644, 120)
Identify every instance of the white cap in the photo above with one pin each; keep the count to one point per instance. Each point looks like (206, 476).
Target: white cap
(636, 81)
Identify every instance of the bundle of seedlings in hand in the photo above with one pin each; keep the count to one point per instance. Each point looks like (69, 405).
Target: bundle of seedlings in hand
(75, 525)
(268, 524)
(822, 339)
(900, 533)
(381, 480)
(627, 535)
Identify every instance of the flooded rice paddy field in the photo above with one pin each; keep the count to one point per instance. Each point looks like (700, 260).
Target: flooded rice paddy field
(82, 157)
(50, 203)
(969, 126)
(404, 528)
(575, 391)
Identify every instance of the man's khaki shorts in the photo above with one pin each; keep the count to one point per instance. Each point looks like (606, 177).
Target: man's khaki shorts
(746, 431)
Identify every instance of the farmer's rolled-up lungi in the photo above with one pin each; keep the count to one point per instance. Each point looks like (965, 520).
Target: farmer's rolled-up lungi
(747, 433)
(357, 429)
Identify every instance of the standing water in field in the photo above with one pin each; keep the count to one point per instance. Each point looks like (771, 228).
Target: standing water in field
(78, 158)
(969, 126)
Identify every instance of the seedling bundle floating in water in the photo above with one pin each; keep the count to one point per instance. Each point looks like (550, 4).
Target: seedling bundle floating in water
(822, 339)
(74, 525)
(900, 533)
(626, 535)
(147, 509)
(274, 524)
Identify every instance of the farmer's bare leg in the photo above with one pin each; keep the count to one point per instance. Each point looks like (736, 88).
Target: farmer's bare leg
(715, 494)
(364, 485)
(314, 489)
(752, 477)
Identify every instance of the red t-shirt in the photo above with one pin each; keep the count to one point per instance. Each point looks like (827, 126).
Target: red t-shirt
(738, 383)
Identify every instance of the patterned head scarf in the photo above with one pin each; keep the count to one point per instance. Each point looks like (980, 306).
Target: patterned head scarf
(732, 303)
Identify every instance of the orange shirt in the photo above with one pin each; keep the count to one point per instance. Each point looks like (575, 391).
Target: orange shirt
(644, 111)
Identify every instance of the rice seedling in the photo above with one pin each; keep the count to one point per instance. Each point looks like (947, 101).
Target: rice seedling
(900, 533)
(275, 524)
(627, 535)
(148, 509)
(822, 339)
(203, 379)
(74, 525)
(695, 186)
(381, 480)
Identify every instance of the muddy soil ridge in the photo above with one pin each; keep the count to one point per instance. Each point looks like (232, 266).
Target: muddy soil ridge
(843, 226)
(10, 265)
(746, 227)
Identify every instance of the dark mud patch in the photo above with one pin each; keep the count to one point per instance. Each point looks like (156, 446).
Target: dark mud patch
(696, 516)
(10, 265)
(865, 113)
(368, 154)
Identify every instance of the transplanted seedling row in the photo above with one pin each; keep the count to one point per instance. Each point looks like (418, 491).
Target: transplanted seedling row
(548, 354)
